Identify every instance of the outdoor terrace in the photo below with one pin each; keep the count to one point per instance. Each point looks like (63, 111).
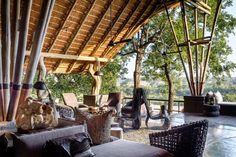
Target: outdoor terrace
(221, 137)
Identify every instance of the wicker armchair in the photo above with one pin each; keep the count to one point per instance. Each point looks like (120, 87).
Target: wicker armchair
(186, 140)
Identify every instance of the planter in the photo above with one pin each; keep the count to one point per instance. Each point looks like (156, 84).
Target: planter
(194, 104)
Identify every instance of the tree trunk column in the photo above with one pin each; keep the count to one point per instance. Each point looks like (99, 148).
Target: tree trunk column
(170, 90)
(137, 72)
(97, 81)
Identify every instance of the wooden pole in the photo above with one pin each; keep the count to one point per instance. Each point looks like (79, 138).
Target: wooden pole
(203, 52)
(179, 51)
(15, 35)
(1, 89)
(187, 39)
(6, 44)
(41, 76)
(208, 53)
(45, 14)
(19, 66)
(196, 50)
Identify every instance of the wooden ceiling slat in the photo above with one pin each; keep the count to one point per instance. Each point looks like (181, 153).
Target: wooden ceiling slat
(127, 20)
(82, 27)
(94, 28)
(139, 23)
(74, 34)
(62, 24)
(104, 37)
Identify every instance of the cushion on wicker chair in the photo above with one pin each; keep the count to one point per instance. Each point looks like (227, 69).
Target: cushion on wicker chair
(98, 125)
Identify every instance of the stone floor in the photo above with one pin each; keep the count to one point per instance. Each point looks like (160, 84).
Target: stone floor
(221, 137)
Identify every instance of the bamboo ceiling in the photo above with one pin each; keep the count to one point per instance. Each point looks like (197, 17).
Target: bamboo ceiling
(79, 28)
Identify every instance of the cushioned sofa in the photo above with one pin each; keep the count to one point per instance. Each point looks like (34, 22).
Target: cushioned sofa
(28, 145)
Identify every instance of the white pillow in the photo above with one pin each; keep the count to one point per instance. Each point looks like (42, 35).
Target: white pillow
(218, 97)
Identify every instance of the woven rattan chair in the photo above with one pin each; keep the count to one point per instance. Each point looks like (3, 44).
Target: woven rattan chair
(186, 140)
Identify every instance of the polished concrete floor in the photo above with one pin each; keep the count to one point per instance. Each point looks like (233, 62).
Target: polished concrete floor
(221, 137)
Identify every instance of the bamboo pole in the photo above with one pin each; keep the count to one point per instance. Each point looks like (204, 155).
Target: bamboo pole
(179, 51)
(1, 89)
(208, 53)
(203, 52)
(19, 65)
(40, 33)
(196, 50)
(6, 44)
(15, 35)
(187, 38)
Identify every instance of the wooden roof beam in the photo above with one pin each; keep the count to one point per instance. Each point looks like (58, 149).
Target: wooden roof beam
(94, 28)
(75, 33)
(62, 25)
(106, 34)
(192, 42)
(72, 57)
(136, 23)
(204, 10)
(126, 21)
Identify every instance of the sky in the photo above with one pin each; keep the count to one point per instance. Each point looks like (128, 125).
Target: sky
(231, 40)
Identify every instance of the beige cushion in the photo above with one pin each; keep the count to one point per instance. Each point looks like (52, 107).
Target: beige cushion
(123, 148)
(218, 97)
(98, 125)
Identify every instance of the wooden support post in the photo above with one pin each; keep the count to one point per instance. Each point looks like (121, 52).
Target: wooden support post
(45, 14)
(179, 51)
(203, 51)
(196, 50)
(97, 81)
(14, 35)
(1, 89)
(6, 45)
(189, 51)
(19, 66)
(41, 76)
(208, 53)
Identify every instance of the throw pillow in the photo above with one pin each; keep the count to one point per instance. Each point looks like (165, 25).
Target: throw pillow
(218, 97)
(68, 146)
(81, 148)
(98, 125)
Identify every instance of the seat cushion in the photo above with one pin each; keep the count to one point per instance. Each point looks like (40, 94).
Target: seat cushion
(98, 125)
(27, 144)
(123, 148)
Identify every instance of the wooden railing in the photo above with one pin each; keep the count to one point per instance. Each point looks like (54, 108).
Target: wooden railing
(156, 103)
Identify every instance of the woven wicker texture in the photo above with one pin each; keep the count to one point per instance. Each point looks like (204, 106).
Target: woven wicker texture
(186, 140)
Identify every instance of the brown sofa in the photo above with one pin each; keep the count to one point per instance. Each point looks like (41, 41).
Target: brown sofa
(28, 145)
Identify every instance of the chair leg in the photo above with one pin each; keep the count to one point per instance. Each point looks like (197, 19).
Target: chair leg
(136, 123)
(146, 121)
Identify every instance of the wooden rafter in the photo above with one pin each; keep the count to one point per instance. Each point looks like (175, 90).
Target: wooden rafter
(209, 46)
(94, 28)
(75, 33)
(189, 51)
(72, 57)
(195, 5)
(203, 50)
(61, 25)
(106, 34)
(137, 19)
(179, 50)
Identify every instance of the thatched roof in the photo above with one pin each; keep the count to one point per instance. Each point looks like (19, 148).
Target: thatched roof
(80, 28)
